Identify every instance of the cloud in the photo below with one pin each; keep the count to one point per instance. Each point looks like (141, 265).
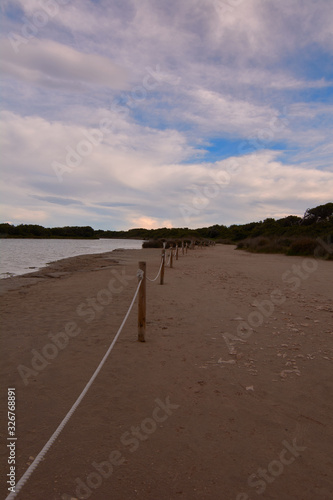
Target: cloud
(149, 222)
(265, 31)
(52, 64)
(258, 184)
(57, 200)
(215, 111)
(251, 84)
(136, 177)
(27, 215)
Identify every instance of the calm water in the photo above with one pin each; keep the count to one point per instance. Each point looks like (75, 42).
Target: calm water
(20, 256)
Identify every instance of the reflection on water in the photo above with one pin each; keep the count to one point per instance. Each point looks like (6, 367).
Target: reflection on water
(21, 255)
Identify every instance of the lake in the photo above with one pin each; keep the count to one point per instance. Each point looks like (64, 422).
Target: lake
(24, 255)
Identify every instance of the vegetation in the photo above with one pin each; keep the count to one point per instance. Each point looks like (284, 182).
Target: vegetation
(35, 231)
(290, 235)
(152, 244)
(310, 235)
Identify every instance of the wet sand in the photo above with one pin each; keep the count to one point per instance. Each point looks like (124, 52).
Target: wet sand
(234, 380)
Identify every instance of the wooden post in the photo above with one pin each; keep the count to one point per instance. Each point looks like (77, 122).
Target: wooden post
(171, 256)
(162, 268)
(182, 247)
(176, 252)
(142, 305)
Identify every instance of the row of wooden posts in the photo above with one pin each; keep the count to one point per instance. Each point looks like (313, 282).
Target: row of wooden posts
(142, 290)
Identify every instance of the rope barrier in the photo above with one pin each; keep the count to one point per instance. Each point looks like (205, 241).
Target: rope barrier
(60, 427)
(47, 446)
(159, 271)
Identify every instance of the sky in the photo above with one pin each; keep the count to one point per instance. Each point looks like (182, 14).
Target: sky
(151, 113)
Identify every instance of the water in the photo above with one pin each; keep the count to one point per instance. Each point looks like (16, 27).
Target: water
(21, 255)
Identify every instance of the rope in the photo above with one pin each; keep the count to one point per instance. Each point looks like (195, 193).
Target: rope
(140, 274)
(157, 273)
(56, 433)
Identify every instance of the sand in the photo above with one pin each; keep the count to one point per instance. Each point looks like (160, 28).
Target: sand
(209, 407)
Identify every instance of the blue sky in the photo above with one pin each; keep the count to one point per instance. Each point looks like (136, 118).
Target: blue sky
(121, 114)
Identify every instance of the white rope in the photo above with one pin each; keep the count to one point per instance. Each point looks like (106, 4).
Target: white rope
(159, 271)
(56, 433)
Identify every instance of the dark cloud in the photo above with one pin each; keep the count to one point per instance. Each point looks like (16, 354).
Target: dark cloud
(57, 200)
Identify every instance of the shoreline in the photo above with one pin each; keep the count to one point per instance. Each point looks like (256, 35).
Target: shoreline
(230, 411)
(60, 268)
(57, 269)
(21, 259)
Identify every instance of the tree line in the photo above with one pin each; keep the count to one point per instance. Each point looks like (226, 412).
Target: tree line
(316, 222)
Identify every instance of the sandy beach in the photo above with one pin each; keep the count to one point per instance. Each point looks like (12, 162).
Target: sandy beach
(230, 397)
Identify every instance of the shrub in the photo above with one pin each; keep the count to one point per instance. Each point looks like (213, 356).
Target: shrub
(303, 246)
(264, 244)
(152, 244)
